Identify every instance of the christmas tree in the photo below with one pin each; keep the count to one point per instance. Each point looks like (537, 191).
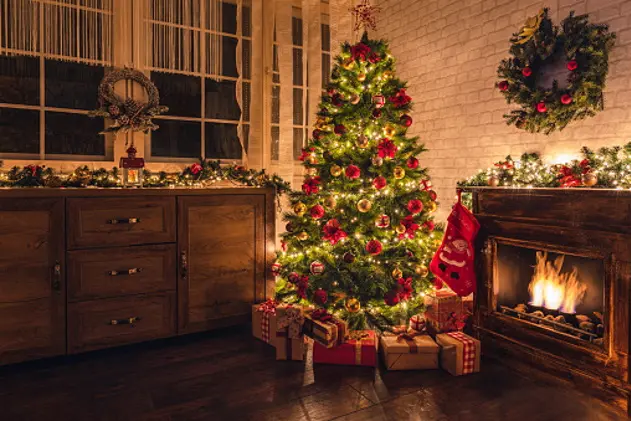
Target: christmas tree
(360, 234)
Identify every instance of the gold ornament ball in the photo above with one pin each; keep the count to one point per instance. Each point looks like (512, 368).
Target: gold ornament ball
(335, 283)
(494, 181)
(377, 161)
(362, 141)
(389, 130)
(421, 270)
(361, 76)
(330, 202)
(348, 64)
(589, 179)
(352, 305)
(300, 208)
(400, 229)
(397, 273)
(438, 242)
(399, 173)
(311, 159)
(364, 205)
(431, 207)
(355, 99)
(302, 236)
(312, 171)
(388, 74)
(336, 170)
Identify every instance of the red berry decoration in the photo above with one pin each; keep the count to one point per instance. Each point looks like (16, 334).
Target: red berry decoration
(339, 129)
(320, 297)
(406, 120)
(566, 99)
(379, 182)
(503, 86)
(541, 107)
(352, 172)
(374, 247)
(317, 211)
(412, 162)
(572, 65)
(526, 71)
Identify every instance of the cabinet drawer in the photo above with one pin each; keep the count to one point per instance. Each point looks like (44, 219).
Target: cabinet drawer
(105, 323)
(121, 271)
(120, 221)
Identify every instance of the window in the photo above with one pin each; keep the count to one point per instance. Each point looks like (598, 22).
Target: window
(326, 50)
(300, 91)
(44, 101)
(275, 120)
(199, 78)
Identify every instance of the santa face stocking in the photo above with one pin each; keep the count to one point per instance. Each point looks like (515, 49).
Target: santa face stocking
(453, 262)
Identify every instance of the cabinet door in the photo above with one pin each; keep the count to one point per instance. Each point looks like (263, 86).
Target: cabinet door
(221, 241)
(32, 287)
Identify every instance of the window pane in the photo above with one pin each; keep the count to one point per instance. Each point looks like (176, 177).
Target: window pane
(275, 58)
(298, 142)
(298, 110)
(275, 104)
(181, 93)
(298, 66)
(246, 136)
(229, 56)
(246, 21)
(221, 100)
(19, 80)
(326, 37)
(176, 138)
(275, 143)
(296, 29)
(229, 18)
(246, 59)
(72, 85)
(19, 131)
(222, 141)
(74, 134)
(326, 70)
(247, 97)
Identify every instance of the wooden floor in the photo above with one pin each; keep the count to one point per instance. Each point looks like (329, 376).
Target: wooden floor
(231, 376)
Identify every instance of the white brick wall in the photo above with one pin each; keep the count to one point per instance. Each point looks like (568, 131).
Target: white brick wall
(448, 52)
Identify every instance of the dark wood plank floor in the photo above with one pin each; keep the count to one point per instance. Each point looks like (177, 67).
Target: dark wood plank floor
(231, 376)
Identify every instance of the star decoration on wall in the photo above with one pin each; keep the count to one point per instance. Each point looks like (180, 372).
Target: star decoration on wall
(365, 15)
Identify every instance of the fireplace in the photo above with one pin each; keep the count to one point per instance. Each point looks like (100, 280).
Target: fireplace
(553, 294)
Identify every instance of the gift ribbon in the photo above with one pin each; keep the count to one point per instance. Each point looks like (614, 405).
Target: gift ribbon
(468, 353)
(288, 348)
(291, 320)
(268, 308)
(407, 335)
(358, 337)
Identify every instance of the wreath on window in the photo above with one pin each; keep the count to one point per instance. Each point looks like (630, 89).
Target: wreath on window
(585, 48)
(128, 114)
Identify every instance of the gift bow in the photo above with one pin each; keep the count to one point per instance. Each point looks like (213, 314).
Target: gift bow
(405, 334)
(293, 320)
(321, 315)
(268, 307)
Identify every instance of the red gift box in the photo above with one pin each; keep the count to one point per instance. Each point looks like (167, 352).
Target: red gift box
(359, 349)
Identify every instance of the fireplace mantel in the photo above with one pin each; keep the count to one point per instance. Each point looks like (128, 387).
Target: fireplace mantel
(591, 223)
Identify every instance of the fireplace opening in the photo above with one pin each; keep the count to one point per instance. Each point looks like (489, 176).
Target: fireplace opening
(559, 292)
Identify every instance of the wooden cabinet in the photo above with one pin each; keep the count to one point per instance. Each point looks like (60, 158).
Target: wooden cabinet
(222, 259)
(32, 291)
(132, 265)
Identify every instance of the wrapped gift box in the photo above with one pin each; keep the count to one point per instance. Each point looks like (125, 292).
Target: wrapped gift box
(325, 329)
(264, 321)
(359, 349)
(444, 309)
(459, 354)
(409, 352)
(290, 342)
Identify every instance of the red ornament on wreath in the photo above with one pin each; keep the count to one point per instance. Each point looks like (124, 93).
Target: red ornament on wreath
(526, 71)
(572, 65)
(503, 85)
(541, 107)
(566, 99)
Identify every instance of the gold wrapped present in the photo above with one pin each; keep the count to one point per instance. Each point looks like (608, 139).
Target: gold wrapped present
(460, 353)
(409, 350)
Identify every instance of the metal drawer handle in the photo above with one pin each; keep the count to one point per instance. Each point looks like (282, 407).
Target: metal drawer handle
(124, 221)
(124, 272)
(128, 321)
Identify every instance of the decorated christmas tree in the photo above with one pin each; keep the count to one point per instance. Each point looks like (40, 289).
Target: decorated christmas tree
(360, 234)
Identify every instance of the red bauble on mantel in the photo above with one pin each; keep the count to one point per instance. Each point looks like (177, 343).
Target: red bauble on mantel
(566, 99)
(503, 85)
(541, 107)
(526, 71)
(572, 65)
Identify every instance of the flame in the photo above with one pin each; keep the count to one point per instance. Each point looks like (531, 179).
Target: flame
(552, 289)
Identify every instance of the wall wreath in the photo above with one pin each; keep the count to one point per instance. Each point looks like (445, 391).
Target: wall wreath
(585, 49)
(128, 114)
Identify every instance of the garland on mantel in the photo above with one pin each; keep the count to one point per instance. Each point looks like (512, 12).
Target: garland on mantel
(608, 167)
(202, 174)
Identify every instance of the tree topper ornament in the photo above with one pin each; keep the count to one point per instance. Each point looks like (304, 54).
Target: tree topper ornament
(365, 15)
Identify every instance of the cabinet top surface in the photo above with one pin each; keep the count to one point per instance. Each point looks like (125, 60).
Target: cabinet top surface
(42, 192)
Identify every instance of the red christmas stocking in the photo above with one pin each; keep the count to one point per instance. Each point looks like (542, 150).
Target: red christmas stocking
(453, 261)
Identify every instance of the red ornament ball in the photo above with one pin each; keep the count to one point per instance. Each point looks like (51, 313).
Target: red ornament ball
(374, 247)
(376, 113)
(412, 162)
(379, 101)
(433, 195)
(406, 120)
(566, 99)
(541, 107)
(391, 298)
(430, 225)
(348, 257)
(293, 278)
(317, 211)
(339, 129)
(415, 206)
(503, 86)
(289, 227)
(316, 268)
(352, 172)
(526, 71)
(379, 182)
(320, 297)
(572, 65)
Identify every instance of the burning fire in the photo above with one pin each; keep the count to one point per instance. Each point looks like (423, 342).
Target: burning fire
(552, 289)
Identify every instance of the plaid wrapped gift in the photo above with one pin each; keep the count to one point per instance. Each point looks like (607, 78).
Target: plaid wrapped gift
(444, 311)
(290, 342)
(264, 321)
(460, 353)
(359, 349)
(325, 329)
(409, 350)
